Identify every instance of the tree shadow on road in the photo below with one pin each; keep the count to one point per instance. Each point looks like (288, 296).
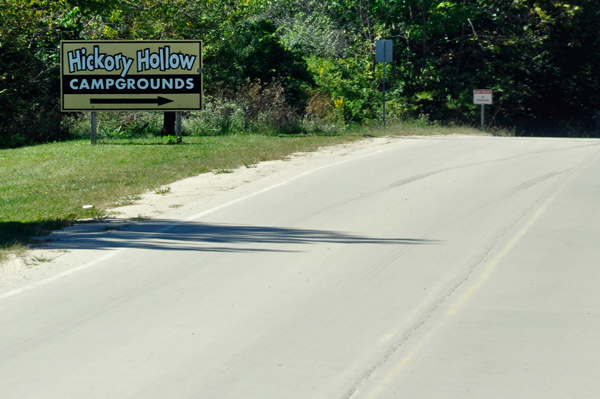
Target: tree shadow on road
(193, 236)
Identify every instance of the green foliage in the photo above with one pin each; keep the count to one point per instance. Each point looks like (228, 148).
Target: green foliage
(29, 73)
(350, 83)
(170, 139)
(254, 52)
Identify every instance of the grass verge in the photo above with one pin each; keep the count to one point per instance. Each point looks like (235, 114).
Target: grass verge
(45, 187)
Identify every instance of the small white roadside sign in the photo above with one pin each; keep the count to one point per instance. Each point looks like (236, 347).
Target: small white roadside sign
(482, 96)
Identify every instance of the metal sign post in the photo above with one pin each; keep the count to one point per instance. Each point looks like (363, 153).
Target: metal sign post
(482, 116)
(483, 97)
(384, 53)
(383, 93)
(94, 127)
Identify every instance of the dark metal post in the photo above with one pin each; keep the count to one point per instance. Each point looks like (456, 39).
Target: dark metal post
(384, 91)
(94, 129)
(482, 117)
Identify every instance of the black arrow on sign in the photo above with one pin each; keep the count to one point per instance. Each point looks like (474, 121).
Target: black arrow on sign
(158, 101)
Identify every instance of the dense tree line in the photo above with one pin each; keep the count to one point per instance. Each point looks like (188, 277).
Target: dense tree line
(541, 58)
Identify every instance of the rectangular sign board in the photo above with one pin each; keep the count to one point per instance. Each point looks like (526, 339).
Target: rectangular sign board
(482, 96)
(116, 75)
(384, 51)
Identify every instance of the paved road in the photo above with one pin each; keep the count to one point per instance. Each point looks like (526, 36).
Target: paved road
(441, 267)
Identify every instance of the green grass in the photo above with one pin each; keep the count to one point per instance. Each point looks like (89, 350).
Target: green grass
(44, 187)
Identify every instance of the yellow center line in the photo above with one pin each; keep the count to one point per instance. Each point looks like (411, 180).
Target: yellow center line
(453, 310)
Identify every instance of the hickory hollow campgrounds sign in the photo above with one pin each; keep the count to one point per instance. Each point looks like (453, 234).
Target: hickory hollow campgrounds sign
(131, 75)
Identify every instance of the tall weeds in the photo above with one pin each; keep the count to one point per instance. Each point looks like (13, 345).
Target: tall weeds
(256, 107)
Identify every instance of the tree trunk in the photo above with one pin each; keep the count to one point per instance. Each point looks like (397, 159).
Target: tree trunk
(460, 50)
(168, 128)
